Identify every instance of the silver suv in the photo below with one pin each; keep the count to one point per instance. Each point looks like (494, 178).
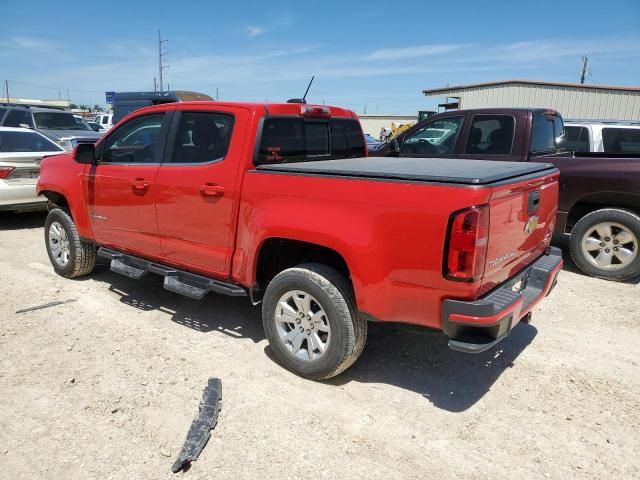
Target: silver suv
(59, 125)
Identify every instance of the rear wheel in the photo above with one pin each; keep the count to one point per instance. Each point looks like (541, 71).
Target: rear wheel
(69, 254)
(311, 322)
(606, 244)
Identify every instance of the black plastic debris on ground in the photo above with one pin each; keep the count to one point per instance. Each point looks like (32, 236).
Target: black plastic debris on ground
(200, 430)
(46, 305)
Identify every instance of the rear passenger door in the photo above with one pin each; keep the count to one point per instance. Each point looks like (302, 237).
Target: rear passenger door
(493, 137)
(198, 188)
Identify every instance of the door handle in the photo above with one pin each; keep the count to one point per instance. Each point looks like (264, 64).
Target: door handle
(140, 184)
(211, 190)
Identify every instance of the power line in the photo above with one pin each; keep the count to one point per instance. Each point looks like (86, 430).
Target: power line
(54, 88)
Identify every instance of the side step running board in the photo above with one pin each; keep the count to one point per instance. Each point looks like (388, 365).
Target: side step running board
(177, 281)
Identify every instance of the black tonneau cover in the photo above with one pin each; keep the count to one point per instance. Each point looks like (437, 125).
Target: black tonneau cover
(445, 170)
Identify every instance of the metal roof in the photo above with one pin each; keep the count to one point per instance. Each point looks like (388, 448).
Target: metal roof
(472, 86)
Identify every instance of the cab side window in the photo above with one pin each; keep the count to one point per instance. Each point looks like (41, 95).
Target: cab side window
(135, 142)
(202, 137)
(491, 135)
(436, 137)
(621, 140)
(577, 139)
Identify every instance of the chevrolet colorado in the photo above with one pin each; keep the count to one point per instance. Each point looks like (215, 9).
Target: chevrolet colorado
(599, 205)
(277, 202)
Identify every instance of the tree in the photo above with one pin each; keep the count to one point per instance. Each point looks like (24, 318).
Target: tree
(84, 107)
(97, 108)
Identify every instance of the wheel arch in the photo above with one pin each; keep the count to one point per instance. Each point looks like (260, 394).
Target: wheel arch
(275, 254)
(600, 200)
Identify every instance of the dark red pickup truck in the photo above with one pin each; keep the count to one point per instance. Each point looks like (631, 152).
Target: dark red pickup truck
(599, 202)
(276, 202)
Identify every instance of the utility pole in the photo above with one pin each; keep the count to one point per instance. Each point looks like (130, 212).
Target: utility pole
(155, 86)
(161, 54)
(217, 96)
(6, 89)
(585, 68)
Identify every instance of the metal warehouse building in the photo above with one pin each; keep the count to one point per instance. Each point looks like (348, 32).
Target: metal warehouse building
(572, 100)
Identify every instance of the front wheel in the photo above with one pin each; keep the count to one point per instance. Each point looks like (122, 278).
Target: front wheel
(69, 254)
(311, 322)
(606, 244)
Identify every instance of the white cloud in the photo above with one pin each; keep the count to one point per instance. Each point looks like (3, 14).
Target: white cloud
(255, 31)
(413, 51)
(30, 43)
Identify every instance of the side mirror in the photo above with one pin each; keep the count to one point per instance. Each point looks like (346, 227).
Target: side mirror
(85, 153)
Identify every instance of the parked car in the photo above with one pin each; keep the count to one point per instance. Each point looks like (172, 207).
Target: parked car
(126, 102)
(599, 192)
(21, 151)
(59, 125)
(105, 120)
(278, 203)
(372, 143)
(602, 136)
(96, 127)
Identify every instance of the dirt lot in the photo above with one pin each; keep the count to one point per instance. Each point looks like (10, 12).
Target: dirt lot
(106, 387)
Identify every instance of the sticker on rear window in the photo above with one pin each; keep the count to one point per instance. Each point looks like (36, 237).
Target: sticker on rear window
(273, 154)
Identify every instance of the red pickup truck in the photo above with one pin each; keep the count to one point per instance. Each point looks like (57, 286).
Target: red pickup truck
(277, 202)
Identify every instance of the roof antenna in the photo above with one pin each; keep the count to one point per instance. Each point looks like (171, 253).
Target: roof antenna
(303, 99)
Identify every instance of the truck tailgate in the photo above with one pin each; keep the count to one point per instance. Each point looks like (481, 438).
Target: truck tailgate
(521, 221)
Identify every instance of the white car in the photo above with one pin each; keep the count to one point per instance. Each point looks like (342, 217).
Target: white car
(21, 151)
(104, 120)
(602, 136)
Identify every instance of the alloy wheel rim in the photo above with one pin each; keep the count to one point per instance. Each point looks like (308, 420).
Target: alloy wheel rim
(59, 244)
(610, 246)
(302, 325)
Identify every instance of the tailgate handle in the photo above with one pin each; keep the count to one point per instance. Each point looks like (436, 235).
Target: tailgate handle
(533, 202)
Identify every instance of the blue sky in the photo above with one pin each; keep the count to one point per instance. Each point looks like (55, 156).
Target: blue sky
(374, 54)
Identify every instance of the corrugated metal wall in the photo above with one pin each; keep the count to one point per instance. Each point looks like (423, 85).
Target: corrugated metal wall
(570, 102)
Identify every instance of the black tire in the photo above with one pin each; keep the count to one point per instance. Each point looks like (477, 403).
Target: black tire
(335, 294)
(625, 218)
(82, 255)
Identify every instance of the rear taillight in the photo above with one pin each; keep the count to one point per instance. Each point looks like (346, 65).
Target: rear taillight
(314, 111)
(467, 240)
(6, 171)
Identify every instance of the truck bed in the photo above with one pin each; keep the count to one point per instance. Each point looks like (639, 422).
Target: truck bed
(438, 170)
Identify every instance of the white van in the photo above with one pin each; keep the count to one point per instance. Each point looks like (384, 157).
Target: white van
(602, 136)
(105, 120)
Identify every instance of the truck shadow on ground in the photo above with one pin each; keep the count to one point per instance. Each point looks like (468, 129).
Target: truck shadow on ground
(421, 361)
(413, 359)
(19, 221)
(234, 317)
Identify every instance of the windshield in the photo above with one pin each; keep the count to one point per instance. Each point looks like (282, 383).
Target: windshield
(59, 121)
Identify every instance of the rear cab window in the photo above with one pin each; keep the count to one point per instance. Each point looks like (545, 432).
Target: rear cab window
(548, 133)
(296, 139)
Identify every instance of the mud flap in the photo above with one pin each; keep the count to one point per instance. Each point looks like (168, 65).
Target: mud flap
(200, 430)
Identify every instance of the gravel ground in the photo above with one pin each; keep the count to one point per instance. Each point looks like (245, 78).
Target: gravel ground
(107, 386)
